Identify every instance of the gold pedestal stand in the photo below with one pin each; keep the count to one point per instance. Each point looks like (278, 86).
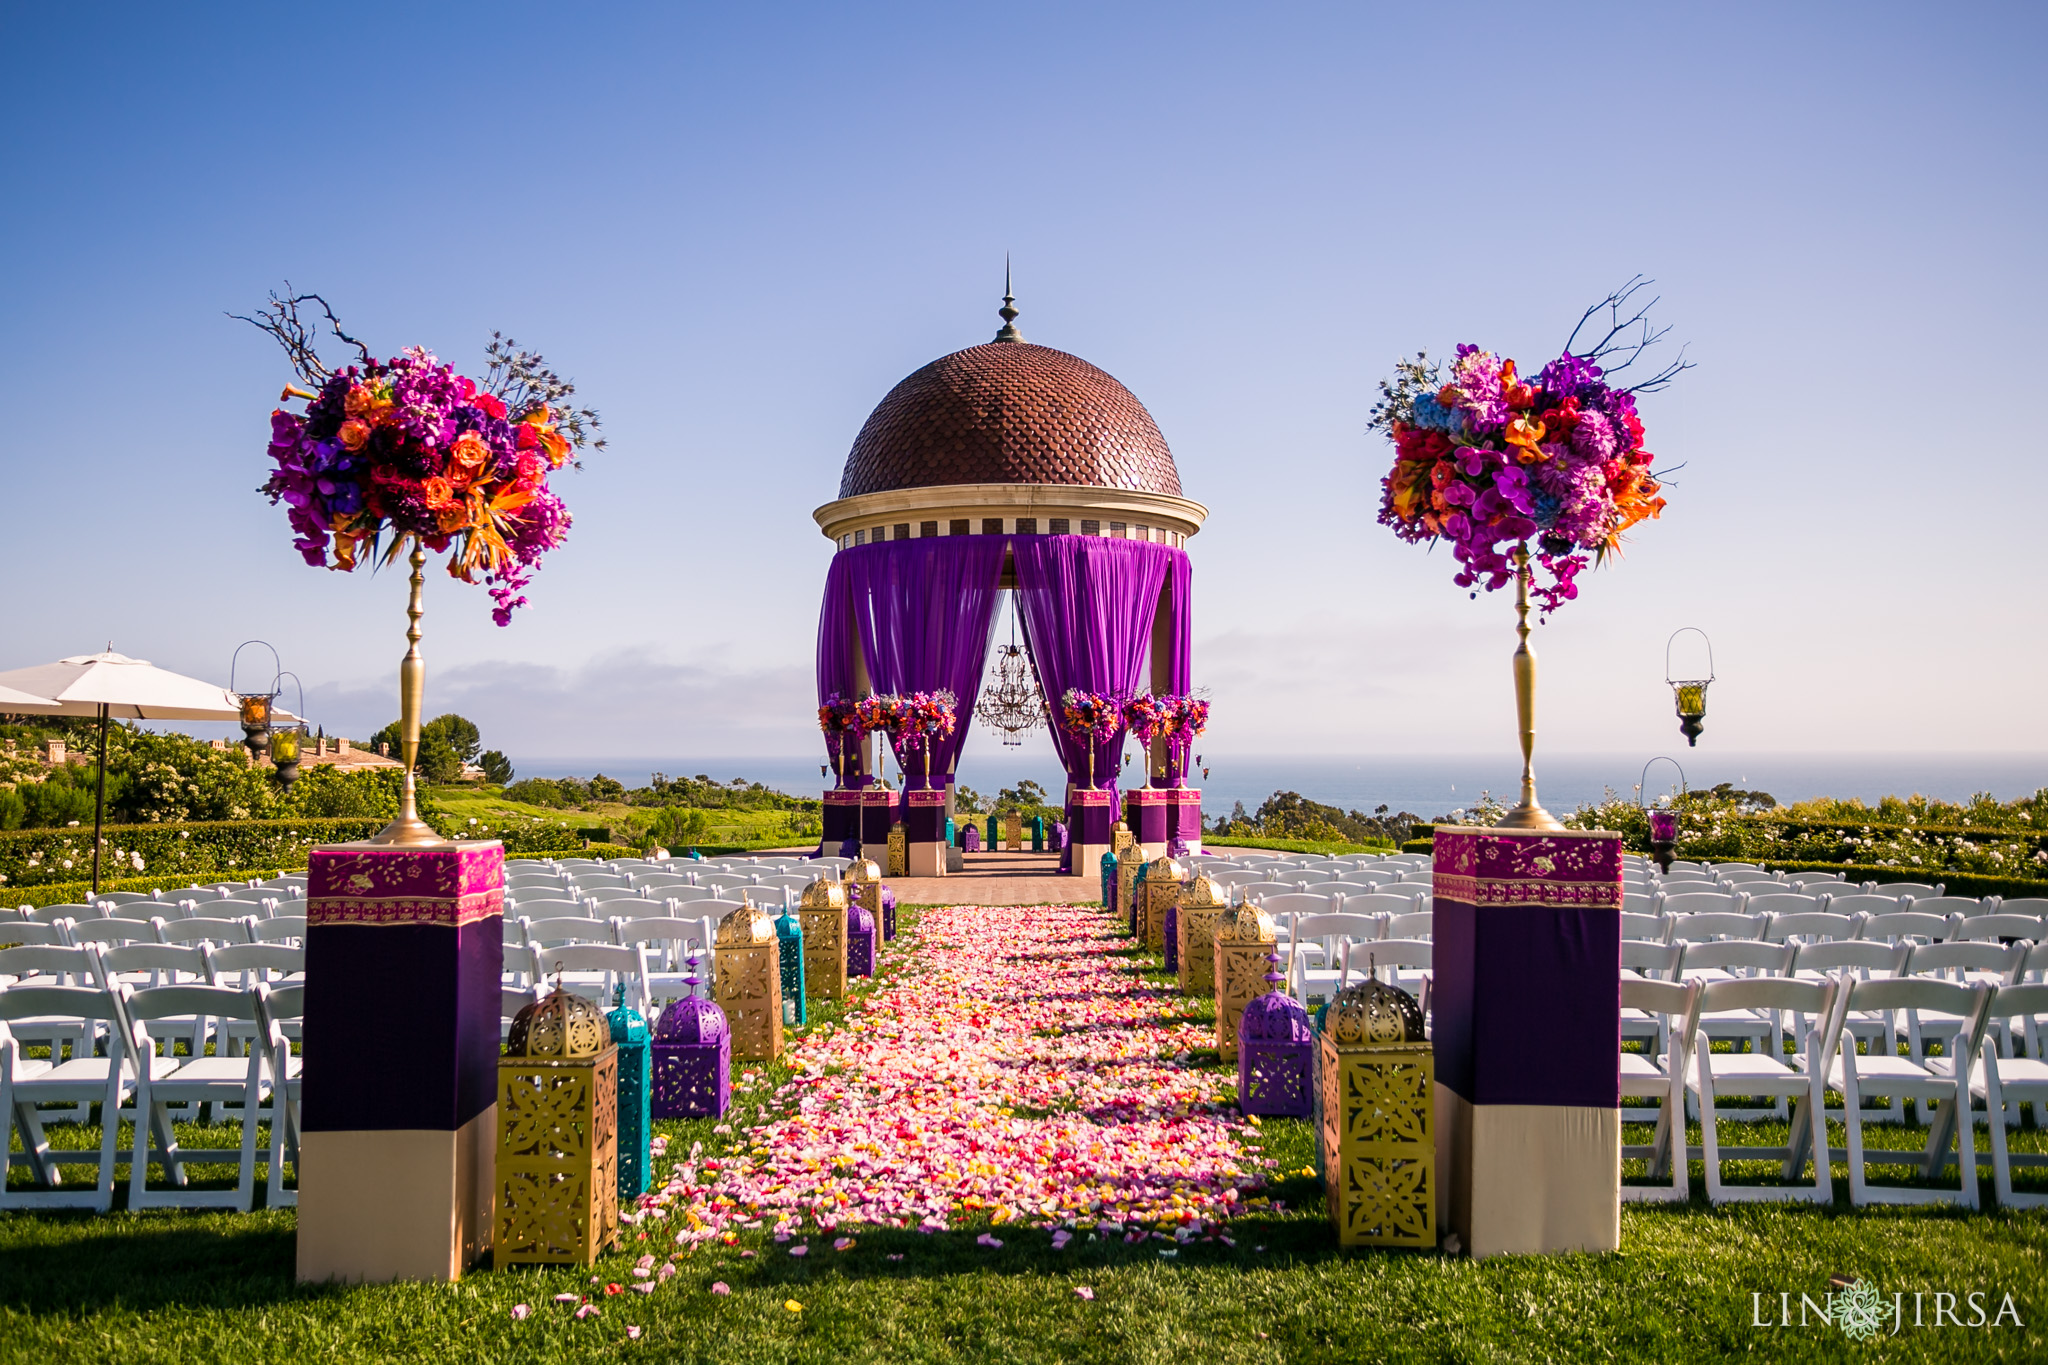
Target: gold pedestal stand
(408, 830)
(1530, 813)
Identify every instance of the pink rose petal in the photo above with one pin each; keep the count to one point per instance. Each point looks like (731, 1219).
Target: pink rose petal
(799, 1251)
(1082, 1291)
(720, 1287)
(519, 1312)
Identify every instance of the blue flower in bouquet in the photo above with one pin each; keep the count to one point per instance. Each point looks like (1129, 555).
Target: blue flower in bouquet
(1431, 415)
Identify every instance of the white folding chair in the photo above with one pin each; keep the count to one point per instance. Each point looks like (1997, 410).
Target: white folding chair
(1810, 926)
(1416, 924)
(1992, 928)
(241, 966)
(1966, 963)
(1318, 936)
(1877, 1029)
(2005, 1083)
(116, 931)
(194, 931)
(547, 907)
(145, 966)
(281, 929)
(81, 1081)
(511, 1000)
(1659, 1074)
(669, 943)
(1702, 926)
(547, 933)
(218, 1081)
(596, 971)
(1757, 1074)
(1902, 926)
(1644, 928)
(605, 895)
(282, 1011)
(1653, 962)
(1393, 957)
(1739, 959)
(1906, 1078)
(1915, 890)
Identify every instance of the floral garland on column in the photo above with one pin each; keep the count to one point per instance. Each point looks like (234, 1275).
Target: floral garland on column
(922, 719)
(838, 719)
(1094, 717)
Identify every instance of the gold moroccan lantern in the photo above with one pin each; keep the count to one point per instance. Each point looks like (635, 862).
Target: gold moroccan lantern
(1159, 887)
(1377, 1082)
(1202, 906)
(1128, 865)
(558, 1135)
(747, 977)
(1242, 956)
(823, 914)
(863, 881)
(899, 850)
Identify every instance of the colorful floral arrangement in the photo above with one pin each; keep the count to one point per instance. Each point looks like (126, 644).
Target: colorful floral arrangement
(407, 449)
(1146, 716)
(1097, 715)
(1190, 718)
(926, 716)
(877, 714)
(839, 720)
(1489, 460)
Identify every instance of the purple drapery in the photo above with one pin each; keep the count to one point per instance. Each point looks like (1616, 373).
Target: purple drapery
(1180, 575)
(1087, 604)
(925, 608)
(835, 655)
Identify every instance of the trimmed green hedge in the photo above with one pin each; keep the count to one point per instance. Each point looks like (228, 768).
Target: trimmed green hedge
(1419, 845)
(1293, 845)
(1974, 884)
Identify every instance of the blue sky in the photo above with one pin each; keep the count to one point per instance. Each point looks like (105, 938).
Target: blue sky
(737, 227)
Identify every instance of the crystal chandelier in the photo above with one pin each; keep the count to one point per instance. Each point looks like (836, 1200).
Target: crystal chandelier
(1012, 701)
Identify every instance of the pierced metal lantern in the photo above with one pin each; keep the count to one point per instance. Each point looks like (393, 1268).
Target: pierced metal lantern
(860, 942)
(1376, 1134)
(747, 983)
(692, 1060)
(557, 1178)
(790, 964)
(1158, 887)
(863, 881)
(636, 1122)
(970, 839)
(888, 920)
(1129, 862)
(899, 850)
(1276, 1056)
(1242, 956)
(1109, 880)
(823, 911)
(1013, 831)
(285, 743)
(1038, 834)
(1202, 904)
(1172, 937)
(1690, 694)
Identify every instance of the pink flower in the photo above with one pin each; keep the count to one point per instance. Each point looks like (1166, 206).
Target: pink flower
(1082, 1291)
(632, 1334)
(720, 1287)
(567, 1298)
(989, 1241)
(519, 1312)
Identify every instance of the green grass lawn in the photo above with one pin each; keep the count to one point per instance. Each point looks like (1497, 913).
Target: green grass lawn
(728, 828)
(204, 1287)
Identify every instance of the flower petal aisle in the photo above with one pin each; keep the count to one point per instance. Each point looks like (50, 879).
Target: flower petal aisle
(1015, 1067)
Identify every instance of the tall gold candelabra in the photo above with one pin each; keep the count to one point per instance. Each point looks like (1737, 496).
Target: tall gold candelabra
(1530, 813)
(408, 830)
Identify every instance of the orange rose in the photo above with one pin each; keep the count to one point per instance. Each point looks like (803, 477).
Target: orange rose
(354, 432)
(359, 400)
(438, 492)
(468, 456)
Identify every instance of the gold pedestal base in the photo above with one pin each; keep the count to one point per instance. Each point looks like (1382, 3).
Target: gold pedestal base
(1530, 816)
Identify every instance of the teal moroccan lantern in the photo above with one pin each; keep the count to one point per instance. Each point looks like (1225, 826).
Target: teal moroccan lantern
(636, 1123)
(789, 941)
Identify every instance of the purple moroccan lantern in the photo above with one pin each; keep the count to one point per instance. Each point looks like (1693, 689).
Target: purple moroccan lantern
(1275, 1057)
(692, 1060)
(888, 914)
(1059, 836)
(970, 839)
(1173, 938)
(860, 941)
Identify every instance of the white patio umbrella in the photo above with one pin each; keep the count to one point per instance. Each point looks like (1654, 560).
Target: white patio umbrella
(114, 685)
(21, 703)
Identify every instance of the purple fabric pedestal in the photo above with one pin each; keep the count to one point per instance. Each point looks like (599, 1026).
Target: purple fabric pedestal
(925, 820)
(1145, 812)
(842, 817)
(860, 942)
(1184, 817)
(877, 813)
(1527, 1036)
(404, 954)
(1094, 816)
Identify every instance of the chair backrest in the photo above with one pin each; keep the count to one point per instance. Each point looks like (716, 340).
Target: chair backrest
(1700, 903)
(1333, 924)
(793, 880)
(620, 964)
(1269, 889)
(206, 931)
(279, 928)
(1933, 958)
(1421, 876)
(512, 999)
(1980, 927)
(1917, 890)
(595, 881)
(1745, 876)
(1333, 888)
(64, 1002)
(726, 881)
(1646, 955)
(1693, 886)
(1809, 924)
(1678, 1000)
(1895, 925)
(1970, 1003)
(239, 907)
(1416, 924)
(1380, 903)
(1711, 924)
(156, 959)
(178, 1002)
(29, 931)
(676, 932)
(1768, 993)
(567, 929)
(1638, 903)
(120, 897)
(1966, 906)
(50, 914)
(683, 895)
(1735, 954)
(252, 962)
(1368, 877)
(1645, 927)
(1862, 955)
(604, 895)
(1781, 903)
(117, 931)
(1297, 903)
(1413, 953)
(1236, 876)
(2022, 905)
(2019, 1002)
(548, 907)
(33, 959)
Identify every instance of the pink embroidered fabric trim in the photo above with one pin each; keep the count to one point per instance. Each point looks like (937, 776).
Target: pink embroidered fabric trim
(1517, 867)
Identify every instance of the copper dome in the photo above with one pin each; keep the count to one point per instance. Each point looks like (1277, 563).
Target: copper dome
(1010, 412)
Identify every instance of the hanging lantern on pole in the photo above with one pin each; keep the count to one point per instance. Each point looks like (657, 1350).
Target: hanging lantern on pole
(1663, 820)
(1690, 694)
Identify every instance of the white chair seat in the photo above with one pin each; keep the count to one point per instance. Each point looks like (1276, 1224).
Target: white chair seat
(1644, 1072)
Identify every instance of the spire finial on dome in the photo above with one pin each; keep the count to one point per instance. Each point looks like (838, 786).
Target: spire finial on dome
(1008, 312)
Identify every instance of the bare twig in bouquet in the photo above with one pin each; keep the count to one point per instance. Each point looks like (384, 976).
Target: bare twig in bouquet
(523, 380)
(1617, 350)
(280, 318)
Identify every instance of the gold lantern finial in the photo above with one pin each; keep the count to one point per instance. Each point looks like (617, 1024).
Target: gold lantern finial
(862, 870)
(824, 894)
(1203, 891)
(561, 1024)
(1163, 870)
(1248, 923)
(749, 926)
(1374, 1012)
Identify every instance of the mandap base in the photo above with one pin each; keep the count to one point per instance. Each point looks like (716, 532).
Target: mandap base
(1525, 1178)
(399, 1204)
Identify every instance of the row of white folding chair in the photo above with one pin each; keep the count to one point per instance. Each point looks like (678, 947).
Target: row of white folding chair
(72, 933)
(133, 1080)
(147, 965)
(1859, 921)
(668, 945)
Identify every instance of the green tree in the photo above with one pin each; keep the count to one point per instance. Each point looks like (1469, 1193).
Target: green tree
(497, 768)
(604, 788)
(462, 735)
(438, 761)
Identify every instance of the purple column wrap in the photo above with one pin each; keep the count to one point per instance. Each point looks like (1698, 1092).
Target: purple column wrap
(1527, 963)
(878, 812)
(1145, 812)
(925, 820)
(405, 949)
(1184, 815)
(842, 817)
(1094, 816)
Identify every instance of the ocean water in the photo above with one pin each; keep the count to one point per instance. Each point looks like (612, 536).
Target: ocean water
(1424, 785)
